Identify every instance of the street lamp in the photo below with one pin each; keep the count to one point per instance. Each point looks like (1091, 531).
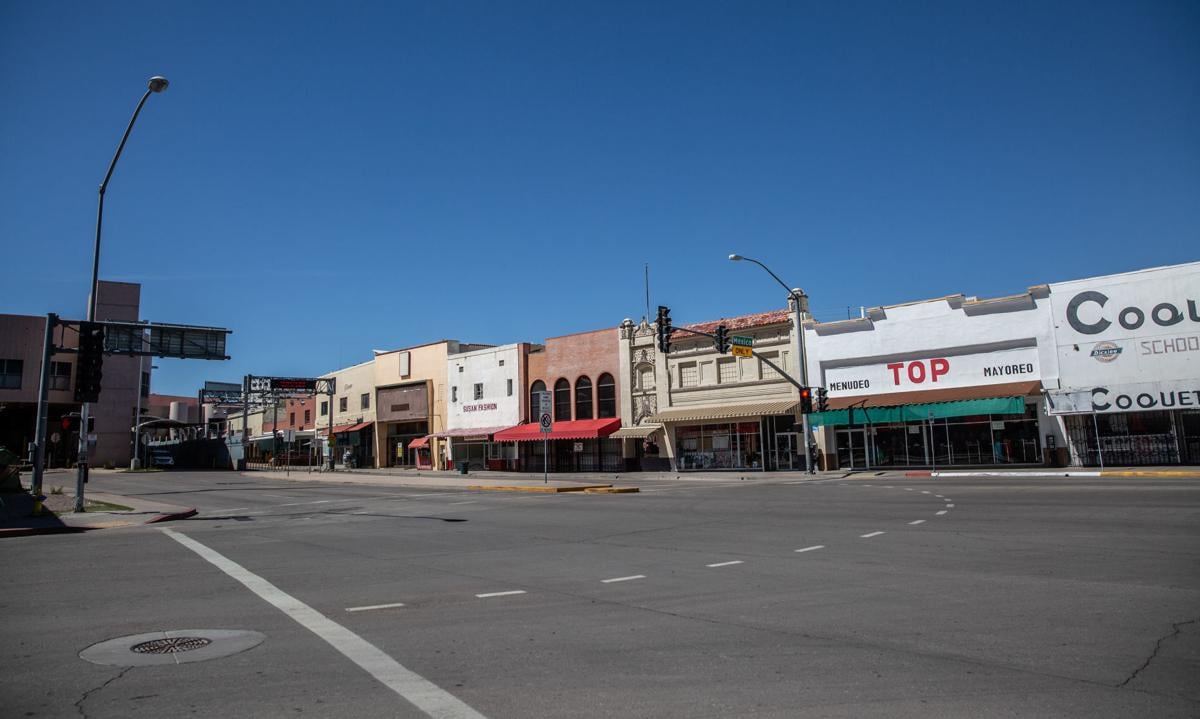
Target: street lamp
(800, 307)
(156, 84)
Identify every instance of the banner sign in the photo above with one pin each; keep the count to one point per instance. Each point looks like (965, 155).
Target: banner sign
(902, 375)
(1134, 336)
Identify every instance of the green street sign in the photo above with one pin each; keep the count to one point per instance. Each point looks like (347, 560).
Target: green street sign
(741, 341)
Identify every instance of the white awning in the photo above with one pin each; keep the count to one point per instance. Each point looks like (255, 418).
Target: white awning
(728, 411)
(641, 431)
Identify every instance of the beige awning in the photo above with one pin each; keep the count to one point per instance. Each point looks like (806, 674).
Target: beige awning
(728, 411)
(639, 432)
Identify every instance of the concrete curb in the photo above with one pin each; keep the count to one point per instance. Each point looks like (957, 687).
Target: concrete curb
(34, 531)
(171, 516)
(546, 489)
(1054, 473)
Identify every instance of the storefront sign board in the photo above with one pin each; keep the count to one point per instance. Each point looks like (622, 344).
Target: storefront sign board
(904, 375)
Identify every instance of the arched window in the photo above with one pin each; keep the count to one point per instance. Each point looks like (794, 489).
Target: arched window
(583, 398)
(562, 401)
(606, 399)
(535, 399)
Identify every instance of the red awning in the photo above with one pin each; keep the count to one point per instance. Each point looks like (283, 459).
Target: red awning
(481, 432)
(418, 442)
(578, 429)
(343, 428)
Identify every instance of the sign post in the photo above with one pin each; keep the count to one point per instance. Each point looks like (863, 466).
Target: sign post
(546, 425)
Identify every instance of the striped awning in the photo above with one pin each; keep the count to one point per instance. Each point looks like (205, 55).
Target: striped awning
(639, 432)
(728, 411)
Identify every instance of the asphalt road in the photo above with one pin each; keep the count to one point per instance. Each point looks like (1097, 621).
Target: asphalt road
(914, 598)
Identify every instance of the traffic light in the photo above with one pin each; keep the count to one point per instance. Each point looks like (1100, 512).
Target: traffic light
(90, 364)
(721, 339)
(806, 400)
(70, 423)
(664, 329)
(822, 399)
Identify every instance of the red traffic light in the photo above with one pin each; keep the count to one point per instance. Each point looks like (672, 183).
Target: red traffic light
(805, 393)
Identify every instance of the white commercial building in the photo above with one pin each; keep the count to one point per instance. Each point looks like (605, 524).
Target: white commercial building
(950, 381)
(486, 396)
(1128, 354)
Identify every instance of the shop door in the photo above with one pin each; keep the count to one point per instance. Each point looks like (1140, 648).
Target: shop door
(852, 448)
(787, 451)
(1189, 444)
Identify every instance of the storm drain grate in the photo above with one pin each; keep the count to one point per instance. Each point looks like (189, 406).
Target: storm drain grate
(170, 645)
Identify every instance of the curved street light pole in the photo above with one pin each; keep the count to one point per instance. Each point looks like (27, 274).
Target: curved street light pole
(799, 307)
(156, 84)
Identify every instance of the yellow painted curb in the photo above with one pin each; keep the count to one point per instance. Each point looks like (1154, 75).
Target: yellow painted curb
(1148, 474)
(611, 490)
(512, 488)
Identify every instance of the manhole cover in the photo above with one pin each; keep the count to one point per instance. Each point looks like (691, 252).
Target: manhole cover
(170, 645)
(177, 646)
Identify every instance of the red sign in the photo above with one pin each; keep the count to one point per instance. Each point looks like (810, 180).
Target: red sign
(918, 371)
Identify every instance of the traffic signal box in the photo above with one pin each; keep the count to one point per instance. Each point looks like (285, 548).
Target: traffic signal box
(806, 400)
(822, 399)
(90, 362)
(721, 339)
(664, 329)
(70, 423)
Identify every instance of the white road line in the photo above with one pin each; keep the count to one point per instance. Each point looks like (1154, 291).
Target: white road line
(947, 499)
(623, 579)
(412, 687)
(949, 506)
(939, 496)
(813, 548)
(297, 504)
(871, 534)
(868, 485)
(724, 564)
(908, 489)
(500, 594)
(926, 491)
(888, 486)
(919, 521)
(393, 605)
(940, 513)
(469, 501)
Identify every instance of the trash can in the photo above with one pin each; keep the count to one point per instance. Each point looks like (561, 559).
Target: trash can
(462, 467)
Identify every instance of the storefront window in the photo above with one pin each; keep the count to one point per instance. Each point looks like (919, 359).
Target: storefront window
(720, 446)
(969, 440)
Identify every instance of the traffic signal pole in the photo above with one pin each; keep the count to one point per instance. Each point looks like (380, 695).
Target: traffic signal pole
(43, 407)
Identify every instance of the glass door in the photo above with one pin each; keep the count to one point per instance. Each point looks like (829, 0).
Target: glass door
(852, 448)
(787, 451)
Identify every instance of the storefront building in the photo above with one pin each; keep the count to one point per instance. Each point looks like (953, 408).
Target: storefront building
(698, 410)
(953, 381)
(411, 392)
(1128, 352)
(353, 415)
(486, 398)
(579, 371)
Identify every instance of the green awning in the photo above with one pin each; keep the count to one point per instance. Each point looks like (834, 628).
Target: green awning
(913, 412)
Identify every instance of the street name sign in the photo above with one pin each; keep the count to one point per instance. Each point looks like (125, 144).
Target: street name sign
(741, 346)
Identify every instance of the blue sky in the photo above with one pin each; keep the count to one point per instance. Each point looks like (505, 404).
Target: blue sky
(325, 179)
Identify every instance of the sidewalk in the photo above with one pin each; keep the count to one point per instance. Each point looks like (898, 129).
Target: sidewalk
(527, 481)
(1063, 472)
(16, 518)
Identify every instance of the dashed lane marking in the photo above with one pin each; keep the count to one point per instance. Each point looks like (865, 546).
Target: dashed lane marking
(723, 564)
(412, 687)
(489, 595)
(926, 491)
(949, 506)
(623, 579)
(813, 548)
(393, 605)
(940, 513)
(919, 521)
(871, 534)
